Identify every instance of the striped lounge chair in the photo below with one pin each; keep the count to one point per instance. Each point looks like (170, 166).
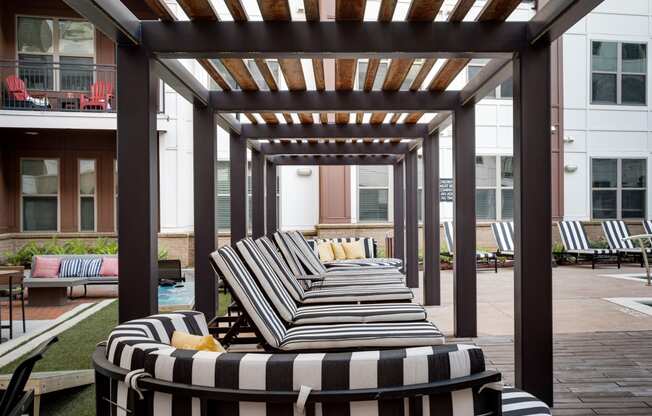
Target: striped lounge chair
(482, 257)
(302, 259)
(647, 225)
(617, 235)
(503, 233)
(308, 291)
(441, 379)
(275, 335)
(292, 314)
(370, 248)
(575, 242)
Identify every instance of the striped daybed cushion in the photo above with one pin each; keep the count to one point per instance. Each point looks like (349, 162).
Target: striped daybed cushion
(369, 249)
(574, 239)
(449, 239)
(306, 293)
(617, 233)
(504, 235)
(287, 308)
(314, 337)
(302, 258)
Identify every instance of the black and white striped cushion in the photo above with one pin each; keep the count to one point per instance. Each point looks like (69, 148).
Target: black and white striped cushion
(320, 372)
(281, 268)
(288, 310)
(647, 224)
(616, 231)
(573, 235)
(504, 235)
(385, 262)
(449, 238)
(303, 252)
(520, 403)
(288, 254)
(90, 267)
(70, 267)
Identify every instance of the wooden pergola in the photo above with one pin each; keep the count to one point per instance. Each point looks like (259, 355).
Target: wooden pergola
(148, 50)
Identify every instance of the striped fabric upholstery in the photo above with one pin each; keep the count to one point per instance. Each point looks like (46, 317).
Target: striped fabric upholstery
(362, 263)
(616, 231)
(303, 251)
(574, 239)
(139, 344)
(317, 337)
(71, 267)
(91, 267)
(303, 293)
(520, 403)
(504, 235)
(290, 255)
(288, 310)
(647, 224)
(449, 239)
(367, 242)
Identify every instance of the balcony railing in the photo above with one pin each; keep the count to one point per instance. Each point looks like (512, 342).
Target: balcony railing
(58, 86)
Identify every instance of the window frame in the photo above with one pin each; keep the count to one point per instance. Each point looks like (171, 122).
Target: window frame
(619, 187)
(387, 188)
(22, 196)
(497, 92)
(80, 196)
(497, 188)
(56, 53)
(619, 73)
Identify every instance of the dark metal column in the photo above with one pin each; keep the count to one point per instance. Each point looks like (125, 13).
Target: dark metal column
(138, 184)
(399, 211)
(204, 155)
(431, 276)
(257, 194)
(411, 220)
(270, 194)
(238, 175)
(532, 221)
(464, 286)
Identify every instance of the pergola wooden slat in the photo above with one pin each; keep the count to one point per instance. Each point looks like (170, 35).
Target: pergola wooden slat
(143, 53)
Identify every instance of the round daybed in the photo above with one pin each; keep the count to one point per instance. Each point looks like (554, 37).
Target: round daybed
(139, 373)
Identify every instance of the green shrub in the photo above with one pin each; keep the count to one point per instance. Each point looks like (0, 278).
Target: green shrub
(601, 243)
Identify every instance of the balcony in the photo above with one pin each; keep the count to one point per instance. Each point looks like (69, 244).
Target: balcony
(58, 87)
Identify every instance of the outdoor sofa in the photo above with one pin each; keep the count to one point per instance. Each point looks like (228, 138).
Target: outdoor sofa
(137, 371)
(482, 257)
(46, 291)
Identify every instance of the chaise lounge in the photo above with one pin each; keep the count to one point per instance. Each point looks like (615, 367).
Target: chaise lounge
(575, 242)
(482, 257)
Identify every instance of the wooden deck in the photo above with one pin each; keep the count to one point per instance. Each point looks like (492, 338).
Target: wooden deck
(599, 373)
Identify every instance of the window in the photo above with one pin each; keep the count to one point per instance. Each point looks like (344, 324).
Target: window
(87, 183)
(373, 193)
(504, 90)
(380, 74)
(618, 73)
(494, 178)
(39, 186)
(45, 44)
(618, 188)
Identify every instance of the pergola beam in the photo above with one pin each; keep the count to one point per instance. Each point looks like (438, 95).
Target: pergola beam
(173, 73)
(335, 160)
(440, 122)
(112, 18)
(336, 148)
(333, 101)
(491, 76)
(342, 39)
(557, 16)
(333, 131)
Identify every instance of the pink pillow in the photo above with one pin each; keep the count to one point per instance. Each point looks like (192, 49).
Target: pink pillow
(46, 267)
(109, 266)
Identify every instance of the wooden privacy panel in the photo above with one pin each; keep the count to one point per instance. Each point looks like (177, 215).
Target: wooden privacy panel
(334, 194)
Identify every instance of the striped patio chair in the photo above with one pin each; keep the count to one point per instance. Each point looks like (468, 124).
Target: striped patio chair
(617, 235)
(292, 314)
(482, 257)
(307, 290)
(503, 233)
(276, 336)
(575, 242)
(647, 224)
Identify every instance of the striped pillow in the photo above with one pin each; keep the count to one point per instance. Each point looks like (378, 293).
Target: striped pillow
(70, 267)
(91, 267)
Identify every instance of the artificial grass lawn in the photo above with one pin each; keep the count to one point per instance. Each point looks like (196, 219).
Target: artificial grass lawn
(73, 352)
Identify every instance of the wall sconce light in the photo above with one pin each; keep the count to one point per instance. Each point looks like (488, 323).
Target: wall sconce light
(570, 168)
(569, 139)
(304, 171)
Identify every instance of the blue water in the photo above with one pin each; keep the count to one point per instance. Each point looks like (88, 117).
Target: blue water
(171, 295)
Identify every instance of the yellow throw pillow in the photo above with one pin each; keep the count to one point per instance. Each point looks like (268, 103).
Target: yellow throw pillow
(326, 252)
(338, 251)
(354, 250)
(186, 341)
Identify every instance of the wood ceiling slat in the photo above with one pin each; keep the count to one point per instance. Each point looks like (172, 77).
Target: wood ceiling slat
(311, 8)
(423, 10)
(251, 118)
(395, 118)
(412, 118)
(240, 73)
(262, 66)
(396, 73)
(274, 9)
(377, 118)
(386, 10)
(161, 9)
(213, 73)
(323, 118)
(358, 118)
(345, 68)
(198, 9)
(288, 118)
(293, 73)
(270, 118)
(306, 118)
(238, 12)
(318, 72)
(422, 74)
(461, 9)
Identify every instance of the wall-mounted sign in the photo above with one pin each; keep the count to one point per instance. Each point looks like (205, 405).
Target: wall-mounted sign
(446, 190)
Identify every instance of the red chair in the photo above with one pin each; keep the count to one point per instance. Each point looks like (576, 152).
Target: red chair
(19, 97)
(100, 97)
